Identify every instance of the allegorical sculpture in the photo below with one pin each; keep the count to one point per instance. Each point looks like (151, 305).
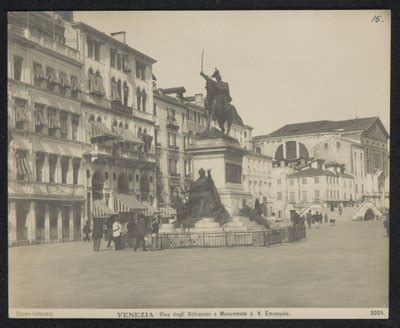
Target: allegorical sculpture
(203, 202)
(217, 103)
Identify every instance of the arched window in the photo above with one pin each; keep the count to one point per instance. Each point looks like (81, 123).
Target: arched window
(99, 119)
(291, 149)
(279, 153)
(144, 100)
(138, 99)
(303, 151)
(120, 124)
(115, 123)
(139, 133)
(258, 150)
(126, 93)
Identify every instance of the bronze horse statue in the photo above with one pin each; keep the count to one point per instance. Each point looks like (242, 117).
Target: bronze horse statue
(217, 103)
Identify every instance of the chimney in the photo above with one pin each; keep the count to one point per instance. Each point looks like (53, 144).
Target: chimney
(199, 99)
(120, 36)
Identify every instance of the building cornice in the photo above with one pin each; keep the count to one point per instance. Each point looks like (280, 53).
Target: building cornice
(110, 39)
(20, 39)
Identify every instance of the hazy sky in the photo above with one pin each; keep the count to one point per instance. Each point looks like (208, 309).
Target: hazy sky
(282, 66)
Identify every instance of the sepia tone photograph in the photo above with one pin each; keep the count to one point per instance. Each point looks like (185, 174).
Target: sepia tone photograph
(198, 164)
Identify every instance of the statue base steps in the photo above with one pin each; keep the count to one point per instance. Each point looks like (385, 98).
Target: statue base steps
(206, 225)
(169, 228)
(242, 224)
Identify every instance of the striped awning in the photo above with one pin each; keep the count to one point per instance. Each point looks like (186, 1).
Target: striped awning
(39, 74)
(75, 84)
(64, 82)
(150, 210)
(126, 135)
(22, 165)
(53, 122)
(128, 203)
(167, 212)
(101, 209)
(20, 113)
(99, 130)
(39, 118)
(51, 75)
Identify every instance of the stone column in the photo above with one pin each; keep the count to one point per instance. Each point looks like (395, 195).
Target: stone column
(31, 222)
(46, 223)
(12, 223)
(59, 223)
(71, 223)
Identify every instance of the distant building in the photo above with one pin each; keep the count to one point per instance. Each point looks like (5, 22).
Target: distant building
(257, 178)
(359, 145)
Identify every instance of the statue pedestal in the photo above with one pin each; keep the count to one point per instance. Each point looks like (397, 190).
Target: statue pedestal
(242, 224)
(169, 228)
(223, 155)
(206, 225)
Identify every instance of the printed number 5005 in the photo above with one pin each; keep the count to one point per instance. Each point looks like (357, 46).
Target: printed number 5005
(376, 312)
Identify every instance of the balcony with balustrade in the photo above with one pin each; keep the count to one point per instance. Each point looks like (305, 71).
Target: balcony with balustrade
(45, 190)
(45, 41)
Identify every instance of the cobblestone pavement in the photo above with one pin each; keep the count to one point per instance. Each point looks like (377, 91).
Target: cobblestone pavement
(341, 266)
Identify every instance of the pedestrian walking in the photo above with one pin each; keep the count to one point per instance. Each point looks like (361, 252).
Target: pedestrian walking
(109, 224)
(155, 227)
(86, 231)
(316, 219)
(140, 231)
(97, 233)
(117, 234)
(326, 218)
(309, 219)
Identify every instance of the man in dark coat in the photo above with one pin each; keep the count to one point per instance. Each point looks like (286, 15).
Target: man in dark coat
(155, 227)
(140, 231)
(97, 233)
(309, 218)
(87, 231)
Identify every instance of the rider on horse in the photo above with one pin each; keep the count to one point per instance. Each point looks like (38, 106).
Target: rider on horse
(218, 100)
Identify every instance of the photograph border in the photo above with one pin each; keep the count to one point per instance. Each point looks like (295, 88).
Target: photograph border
(394, 289)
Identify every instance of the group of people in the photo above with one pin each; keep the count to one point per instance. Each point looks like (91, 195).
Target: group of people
(317, 218)
(131, 233)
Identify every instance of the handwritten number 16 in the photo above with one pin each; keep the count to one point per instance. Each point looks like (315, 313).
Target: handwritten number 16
(377, 19)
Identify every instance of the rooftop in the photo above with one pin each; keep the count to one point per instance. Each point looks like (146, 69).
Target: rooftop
(115, 41)
(353, 125)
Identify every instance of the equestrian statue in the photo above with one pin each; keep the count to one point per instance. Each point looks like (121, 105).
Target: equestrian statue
(217, 103)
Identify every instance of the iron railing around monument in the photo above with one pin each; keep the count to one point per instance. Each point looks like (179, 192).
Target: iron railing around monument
(231, 239)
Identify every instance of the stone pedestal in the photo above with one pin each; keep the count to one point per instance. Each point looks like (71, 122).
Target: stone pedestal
(242, 224)
(223, 155)
(169, 228)
(206, 225)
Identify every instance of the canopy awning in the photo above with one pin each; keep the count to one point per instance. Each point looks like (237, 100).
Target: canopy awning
(53, 122)
(20, 113)
(22, 166)
(64, 82)
(150, 210)
(39, 118)
(99, 130)
(126, 135)
(101, 209)
(167, 212)
(127, 203)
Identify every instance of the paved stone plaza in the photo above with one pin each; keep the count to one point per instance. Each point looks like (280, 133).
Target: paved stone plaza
(341, 266)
